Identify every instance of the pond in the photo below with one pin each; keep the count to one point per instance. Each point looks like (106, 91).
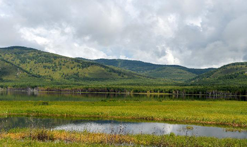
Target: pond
(118, 127)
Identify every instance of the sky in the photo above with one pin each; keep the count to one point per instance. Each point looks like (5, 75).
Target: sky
(191, 33)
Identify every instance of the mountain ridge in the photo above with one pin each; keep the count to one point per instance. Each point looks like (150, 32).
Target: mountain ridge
(174, 72)
(233, 73)
(17, 63)
(55, 67)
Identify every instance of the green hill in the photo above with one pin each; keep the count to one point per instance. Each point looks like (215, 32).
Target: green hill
(10, 72)
(27, 66)
(54, 67)
(172, 72)
(234, 74)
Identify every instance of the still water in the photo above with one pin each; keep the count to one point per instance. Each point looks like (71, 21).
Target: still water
(118, 127)
(67, 96)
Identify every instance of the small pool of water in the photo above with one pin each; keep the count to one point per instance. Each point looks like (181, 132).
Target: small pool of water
(118, 127)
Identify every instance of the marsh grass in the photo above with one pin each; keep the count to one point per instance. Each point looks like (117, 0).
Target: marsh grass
(189, 128)
(228, 113)
(42, 137)
(41, 103)
(235, 130)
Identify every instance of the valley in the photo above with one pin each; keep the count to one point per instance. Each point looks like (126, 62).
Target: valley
(37, 87)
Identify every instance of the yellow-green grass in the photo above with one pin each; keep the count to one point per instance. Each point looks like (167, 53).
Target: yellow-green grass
(40, 137)
(229, 113)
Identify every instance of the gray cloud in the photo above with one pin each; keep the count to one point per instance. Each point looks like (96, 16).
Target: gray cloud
(193, 33)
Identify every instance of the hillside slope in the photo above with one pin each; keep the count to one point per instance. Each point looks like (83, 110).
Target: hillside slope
(172, 72)
(10, 72)
(235, 73)
(56, 67)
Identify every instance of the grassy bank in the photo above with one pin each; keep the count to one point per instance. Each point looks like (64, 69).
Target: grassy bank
(27, 137)
(229, 113)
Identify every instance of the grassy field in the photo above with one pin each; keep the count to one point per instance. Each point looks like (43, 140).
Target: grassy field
(40, 137)
(229, 113)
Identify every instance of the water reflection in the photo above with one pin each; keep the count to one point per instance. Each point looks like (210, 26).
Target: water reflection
(117, 127)
(68, 96)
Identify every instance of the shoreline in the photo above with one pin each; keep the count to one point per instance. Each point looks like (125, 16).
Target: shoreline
(214, 94)
(134, 119)
(37, 137)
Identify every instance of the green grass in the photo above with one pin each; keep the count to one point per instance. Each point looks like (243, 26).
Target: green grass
(48, 138)
(229, 113)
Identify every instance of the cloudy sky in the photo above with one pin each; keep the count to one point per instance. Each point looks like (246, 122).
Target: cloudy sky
(192, 33)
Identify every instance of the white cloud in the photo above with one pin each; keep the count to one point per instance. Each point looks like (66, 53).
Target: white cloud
(61, 41)
(194, 33)
(169, 58)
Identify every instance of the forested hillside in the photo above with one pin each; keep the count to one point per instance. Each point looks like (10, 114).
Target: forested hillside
(231, 74)
(171, 72)
(54, 67)
(26, 64)
(10, 72)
